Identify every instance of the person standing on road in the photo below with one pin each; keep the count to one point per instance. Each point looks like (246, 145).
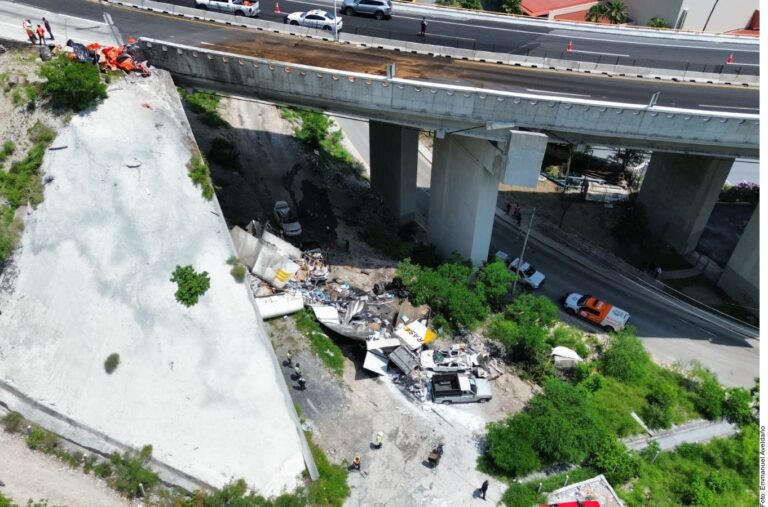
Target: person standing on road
(302, 383)
(484, 489)
(40, 34)
(27, 24)
(423, 31)
(657, 272)
(379, 440)
(518, 214)
(48, 29)
(289, 358)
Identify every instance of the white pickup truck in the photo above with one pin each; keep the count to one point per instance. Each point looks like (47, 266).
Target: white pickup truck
(236, 7)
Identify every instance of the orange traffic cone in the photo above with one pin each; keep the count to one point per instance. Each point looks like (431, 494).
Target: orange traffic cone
(729, 60)
(569, 47)
(277, 7)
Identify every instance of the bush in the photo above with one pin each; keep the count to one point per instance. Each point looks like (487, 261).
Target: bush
(71, 84)
(612, 459)
(521, 495)
(710, 397)
(525, 343)
(567, 336)
(130, 471)
(206, 105)
(224, 153)
(236, 494)
(658, 22)
(530, 309)
(511, 445)
(492, 283)
(201, 176)
(191, 285)
(660, 401)
(110, 364)
(737, 406)
(13, 422)
(626, 359)
(742, 192)
(41, 439)
(238, 273)
(314, 129)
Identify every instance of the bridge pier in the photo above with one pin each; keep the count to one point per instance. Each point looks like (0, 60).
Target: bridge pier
(679, 192)
(394, 155)
(466, 172)
(741, 277)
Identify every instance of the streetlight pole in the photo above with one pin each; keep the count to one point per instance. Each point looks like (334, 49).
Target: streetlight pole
(335, 23)
(522, 252)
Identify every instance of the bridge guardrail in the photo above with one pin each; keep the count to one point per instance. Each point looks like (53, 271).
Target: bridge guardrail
(621, 68)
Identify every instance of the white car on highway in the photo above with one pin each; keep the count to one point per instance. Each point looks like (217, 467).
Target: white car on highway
(528, 274)
(321, 20)
(236, 7)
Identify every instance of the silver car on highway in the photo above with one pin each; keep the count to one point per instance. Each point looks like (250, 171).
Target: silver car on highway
(379, 9)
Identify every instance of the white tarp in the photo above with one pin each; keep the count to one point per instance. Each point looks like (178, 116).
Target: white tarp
(565, 357)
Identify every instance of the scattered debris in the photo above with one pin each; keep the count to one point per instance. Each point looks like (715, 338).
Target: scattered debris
(128, 58)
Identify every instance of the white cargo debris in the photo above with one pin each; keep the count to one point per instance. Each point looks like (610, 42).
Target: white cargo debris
(376, 362)
(563, 357)
(279, 305)
(282, 246)
(246, 246)
(415, 334)
(273, 266)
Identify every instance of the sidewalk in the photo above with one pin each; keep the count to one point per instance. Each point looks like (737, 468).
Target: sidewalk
(692, 432)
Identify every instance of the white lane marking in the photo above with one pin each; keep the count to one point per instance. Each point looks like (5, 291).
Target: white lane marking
(736, 64)
(312, 406)
(556, 93)
(730, 107)
(596, 53)
(206, 43)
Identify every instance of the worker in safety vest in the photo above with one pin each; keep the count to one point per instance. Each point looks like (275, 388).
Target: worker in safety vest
(40, 34)
(27, 24)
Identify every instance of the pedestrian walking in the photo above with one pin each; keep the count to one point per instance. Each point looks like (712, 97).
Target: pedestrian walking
(47, 25)
(423, 31)
(27, 24)
(484, 489)
(657, 272)
(302, 383)
(356, 463)
(518, 214)
(379, 440)
(297, 370)
(509, 208)
(346, 245)
(289, 358)
(40, 34)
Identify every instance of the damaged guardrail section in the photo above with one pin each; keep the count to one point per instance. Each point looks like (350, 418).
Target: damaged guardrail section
(720, 76)
(429, 104)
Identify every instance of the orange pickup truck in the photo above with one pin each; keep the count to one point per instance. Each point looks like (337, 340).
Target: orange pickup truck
(596, 311)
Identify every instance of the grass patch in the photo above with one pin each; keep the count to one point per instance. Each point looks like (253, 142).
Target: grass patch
(40, 439)
(322, 345)
(201, 176)
(615, 401)
(8, 149)
(206, 106)
(331, 489)
(129, 471)
(13, 422)
(317, 132)
(111, 363)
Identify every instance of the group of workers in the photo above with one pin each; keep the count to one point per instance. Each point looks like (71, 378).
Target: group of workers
(37, 35)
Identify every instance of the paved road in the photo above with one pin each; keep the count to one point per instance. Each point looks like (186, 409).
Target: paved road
(535, 39)
(140, 23)
(670, 330)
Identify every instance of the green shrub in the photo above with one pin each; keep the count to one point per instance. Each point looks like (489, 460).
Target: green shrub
(568, 336)
(201, 176)
(710, 397)
(191, 285)
(492, 283)
(9, 147)
(206, 105)
(130, 471)
(102, 470)
(42, 440)
(612, 459)
(331, 489)
(322, 345)
(238, 273)
(660, 401)
(13, 422)
(737, 406)
(521, 495)
(530, 309)
(224, 153)
(236, 494)
(72, 85)
(626, 359)
(658, 22)
(526, 345)
(111, 363)
(511, 445)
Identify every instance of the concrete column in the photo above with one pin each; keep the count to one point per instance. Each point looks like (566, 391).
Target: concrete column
(466, 173)
(394, 154)
(679, 192)
(741, 277)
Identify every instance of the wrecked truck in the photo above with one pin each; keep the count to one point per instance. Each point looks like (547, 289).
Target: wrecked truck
(460, 388)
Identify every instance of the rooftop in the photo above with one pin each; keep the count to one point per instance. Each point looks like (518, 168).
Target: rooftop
(544, 7)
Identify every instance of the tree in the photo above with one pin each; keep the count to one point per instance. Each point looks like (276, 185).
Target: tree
(657, 22)
(72, 84)
(493, 283)
(510, 444)
(471, 4)
(626, 359)
(616, 11)
(512, 7)
(709, 398)
(596, 13)
(627, 157)
(191, 285)
(612, 459)
(657, 414)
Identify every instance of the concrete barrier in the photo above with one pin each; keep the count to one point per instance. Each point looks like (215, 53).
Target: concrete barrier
(448, 108)
(427, 49)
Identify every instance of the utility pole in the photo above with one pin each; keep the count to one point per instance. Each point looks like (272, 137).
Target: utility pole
(522, 252)
(335, 23)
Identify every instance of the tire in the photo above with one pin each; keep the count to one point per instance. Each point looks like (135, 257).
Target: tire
(446, 402)
(239, 13)
(570, 311)
(203, 7)
(609, 329)
(295, 23)
(349, 11)
(379, 15)
(484, 400)
(327, 28)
